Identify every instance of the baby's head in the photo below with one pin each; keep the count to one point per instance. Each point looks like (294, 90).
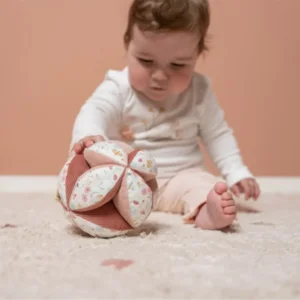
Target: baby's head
(164, 39)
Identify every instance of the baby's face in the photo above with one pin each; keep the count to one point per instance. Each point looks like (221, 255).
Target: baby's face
(161, 64)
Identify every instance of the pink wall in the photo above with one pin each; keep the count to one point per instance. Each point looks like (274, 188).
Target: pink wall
(54, 53)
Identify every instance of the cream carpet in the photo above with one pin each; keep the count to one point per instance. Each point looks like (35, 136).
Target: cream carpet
(42, 256)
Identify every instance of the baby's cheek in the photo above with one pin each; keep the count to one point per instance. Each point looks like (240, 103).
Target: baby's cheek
(181, 81)
(138, 77)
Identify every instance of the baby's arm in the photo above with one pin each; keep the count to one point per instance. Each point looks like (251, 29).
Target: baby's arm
(222, 146)
(97, 114)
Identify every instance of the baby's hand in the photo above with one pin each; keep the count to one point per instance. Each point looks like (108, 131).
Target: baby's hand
(87, 142)
(127, 134)
(249, 187)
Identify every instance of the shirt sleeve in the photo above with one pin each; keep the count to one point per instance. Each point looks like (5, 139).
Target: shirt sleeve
(219, 140)
(102, 107)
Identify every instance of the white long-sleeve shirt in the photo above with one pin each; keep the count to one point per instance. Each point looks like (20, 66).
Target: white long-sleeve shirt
(171, 130)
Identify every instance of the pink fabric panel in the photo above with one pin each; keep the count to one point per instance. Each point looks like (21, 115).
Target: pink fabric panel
(76, 168)
(106, 216)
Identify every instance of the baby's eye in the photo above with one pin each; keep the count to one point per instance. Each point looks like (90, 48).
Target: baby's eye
(177, 66)
(145, 61)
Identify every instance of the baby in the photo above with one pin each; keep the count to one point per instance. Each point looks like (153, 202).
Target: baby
(161, 104)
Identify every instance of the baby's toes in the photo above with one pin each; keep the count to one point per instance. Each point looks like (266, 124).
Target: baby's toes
(226, 196)
(227, 203)
(228, 210)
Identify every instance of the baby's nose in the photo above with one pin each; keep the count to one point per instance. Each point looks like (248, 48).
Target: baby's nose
(159, 76)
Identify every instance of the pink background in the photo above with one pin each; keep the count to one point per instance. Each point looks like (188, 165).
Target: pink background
(54, 54)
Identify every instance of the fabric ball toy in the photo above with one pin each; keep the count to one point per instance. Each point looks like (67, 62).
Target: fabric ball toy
(109, 189)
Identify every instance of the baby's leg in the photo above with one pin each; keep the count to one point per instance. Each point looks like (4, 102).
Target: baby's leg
(218, 211)
(199, 196)
(209, 204)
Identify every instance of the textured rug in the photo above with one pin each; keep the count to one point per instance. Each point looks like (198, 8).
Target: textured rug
(42, 256)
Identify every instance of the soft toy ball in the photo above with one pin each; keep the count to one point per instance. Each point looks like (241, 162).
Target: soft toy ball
(109, 189)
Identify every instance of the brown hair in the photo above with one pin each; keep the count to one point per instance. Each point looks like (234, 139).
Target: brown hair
(170, 15)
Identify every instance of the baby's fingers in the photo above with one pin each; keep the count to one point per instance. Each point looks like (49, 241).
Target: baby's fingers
(91, 140)
(254, 189)
(257, 191)
(236, 190)
(83, 143)
(98, 138)
(246, 188)
(88, 142)
(78, 148)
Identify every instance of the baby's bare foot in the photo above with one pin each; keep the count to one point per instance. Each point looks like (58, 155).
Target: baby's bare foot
(219, 211)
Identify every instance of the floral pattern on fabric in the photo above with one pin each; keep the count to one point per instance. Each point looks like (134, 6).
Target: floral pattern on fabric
(93, 186)
(144, 162)
(111, 150)
(139, 197)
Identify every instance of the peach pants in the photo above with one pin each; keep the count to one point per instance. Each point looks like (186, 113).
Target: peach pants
(185, 193)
